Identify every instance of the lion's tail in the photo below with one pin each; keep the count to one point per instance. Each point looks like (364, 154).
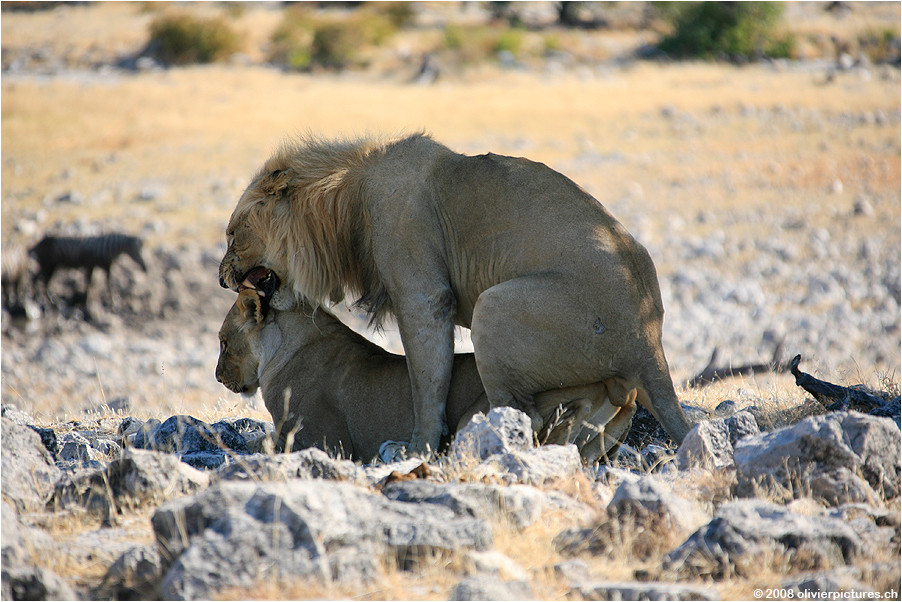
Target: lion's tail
(658, 396)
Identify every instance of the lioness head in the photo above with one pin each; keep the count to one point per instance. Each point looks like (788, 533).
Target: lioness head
(239, 357)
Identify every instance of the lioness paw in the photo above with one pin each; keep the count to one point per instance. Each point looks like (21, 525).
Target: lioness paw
(393, 451)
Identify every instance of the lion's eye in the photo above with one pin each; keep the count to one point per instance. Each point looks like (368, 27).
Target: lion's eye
(223, 346)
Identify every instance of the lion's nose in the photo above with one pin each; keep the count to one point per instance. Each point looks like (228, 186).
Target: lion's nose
(222, 282)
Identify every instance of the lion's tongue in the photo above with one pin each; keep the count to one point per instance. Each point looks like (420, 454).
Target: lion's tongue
(252, 278)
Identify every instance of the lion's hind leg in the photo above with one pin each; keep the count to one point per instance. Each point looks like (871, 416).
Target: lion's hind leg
(564, 410)
(596, 418)
(533, 334)
(545, 331)
(603, 433)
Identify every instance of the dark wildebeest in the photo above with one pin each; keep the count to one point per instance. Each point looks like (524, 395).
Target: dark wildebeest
(85, 253)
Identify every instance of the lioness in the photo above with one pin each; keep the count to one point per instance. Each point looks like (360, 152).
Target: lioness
(327, 386)
(556, 292)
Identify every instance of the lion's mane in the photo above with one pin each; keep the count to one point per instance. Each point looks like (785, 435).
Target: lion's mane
(314, 235)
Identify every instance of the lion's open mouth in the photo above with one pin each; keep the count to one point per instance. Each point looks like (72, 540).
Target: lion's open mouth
(261, 279)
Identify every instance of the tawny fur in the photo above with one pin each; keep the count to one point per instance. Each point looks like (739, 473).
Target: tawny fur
(556, 292)
(328, 387)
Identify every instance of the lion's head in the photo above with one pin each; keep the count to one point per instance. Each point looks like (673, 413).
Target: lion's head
(239, 353)
(299, 217)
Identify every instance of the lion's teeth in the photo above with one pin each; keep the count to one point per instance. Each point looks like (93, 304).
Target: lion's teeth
(248, 284)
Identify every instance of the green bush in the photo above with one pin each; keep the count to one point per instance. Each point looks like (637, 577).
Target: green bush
(185, 39)
(733, 30)
(510, 40)
(454, 37)
(552, 43)
(292, 40)
(471, 45)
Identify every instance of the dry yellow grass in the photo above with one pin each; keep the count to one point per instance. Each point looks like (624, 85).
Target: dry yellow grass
(203, 131)
(194, 127)
(68, 559)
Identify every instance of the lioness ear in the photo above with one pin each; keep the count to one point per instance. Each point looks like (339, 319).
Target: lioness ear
(250, 305)
(255, 309)
(274, 182)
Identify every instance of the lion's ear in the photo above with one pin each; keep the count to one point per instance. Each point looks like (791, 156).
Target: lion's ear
(250, 305)
(274, 182)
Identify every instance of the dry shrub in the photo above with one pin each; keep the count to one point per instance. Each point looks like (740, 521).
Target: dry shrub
(880, 45)
(532, 550)
(470, 45)
(799, 482)
(625, 537)
(762, 565)
(182, 39)
(335, 44)
(304, 40)
(400, 14)
(578, 487)
(888, 383)
(69, 560)
(777, 565)
(708, 488)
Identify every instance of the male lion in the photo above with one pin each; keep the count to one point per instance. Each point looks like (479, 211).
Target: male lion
(555, 291)
(327, 386)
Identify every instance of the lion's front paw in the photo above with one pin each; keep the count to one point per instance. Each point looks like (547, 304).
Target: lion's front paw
(393, 451)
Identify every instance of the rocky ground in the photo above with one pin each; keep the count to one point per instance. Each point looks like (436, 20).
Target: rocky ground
(767, 195)
(804, 509)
